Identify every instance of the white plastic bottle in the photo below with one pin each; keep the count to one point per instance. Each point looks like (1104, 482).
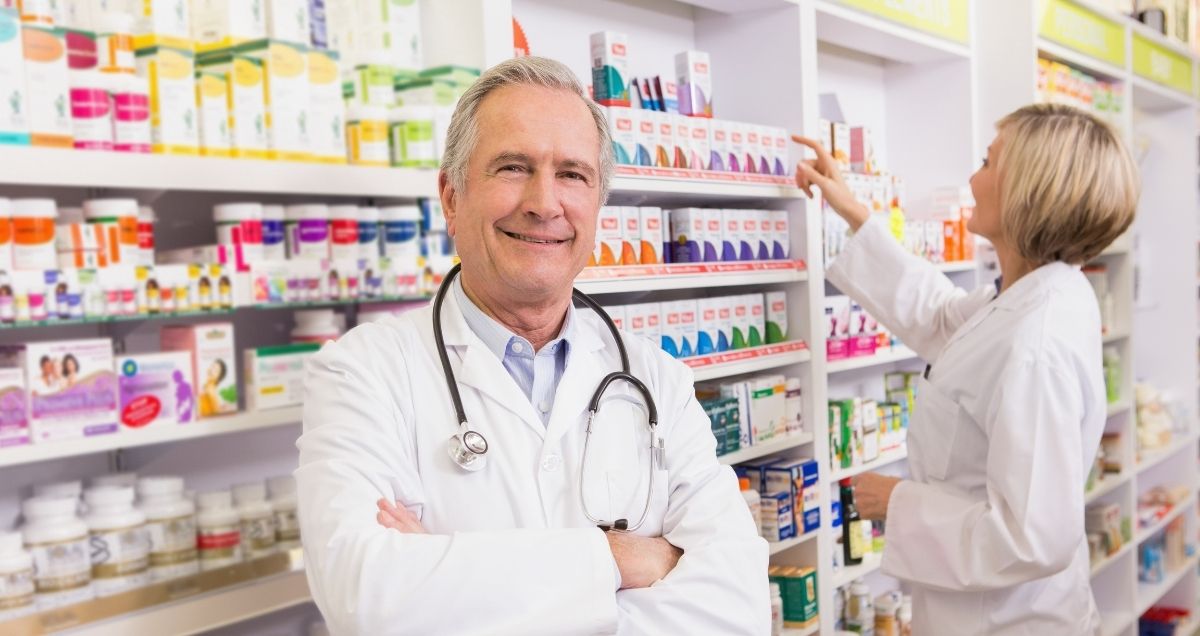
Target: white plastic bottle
(860, 610)
(115, 480)
(368, 233)
(120, 548)
(257, 519)
(171, 526)
(218, 530)
(315, 325)
(776, 610)
(16, 578)
(58, 542)
(753, 501)
(284, 505)
(904, 617)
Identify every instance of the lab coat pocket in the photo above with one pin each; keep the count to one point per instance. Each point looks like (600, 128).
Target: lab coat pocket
(932, 432)
(631, 494)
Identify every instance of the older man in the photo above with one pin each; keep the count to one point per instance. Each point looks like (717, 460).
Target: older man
(512, 546)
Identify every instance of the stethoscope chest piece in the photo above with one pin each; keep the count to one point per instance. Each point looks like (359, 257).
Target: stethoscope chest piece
(468, 450)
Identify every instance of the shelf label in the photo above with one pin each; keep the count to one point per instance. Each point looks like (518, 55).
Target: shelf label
(1081, 29)
(624, 272)
(739, 355)
(703, 175)
(948, 19)
(1160, 64)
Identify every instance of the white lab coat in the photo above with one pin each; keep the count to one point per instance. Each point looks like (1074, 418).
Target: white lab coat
(510, 550)
(989, 531)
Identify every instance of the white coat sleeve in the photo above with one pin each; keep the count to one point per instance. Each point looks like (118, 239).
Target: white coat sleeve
(370, 580)
(1030, 525)
(720, 584)
(903, 292)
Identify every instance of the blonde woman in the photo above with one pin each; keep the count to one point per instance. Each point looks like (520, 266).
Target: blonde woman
(989, 530)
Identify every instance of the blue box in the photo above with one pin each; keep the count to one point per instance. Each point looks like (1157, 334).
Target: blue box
(778, 518)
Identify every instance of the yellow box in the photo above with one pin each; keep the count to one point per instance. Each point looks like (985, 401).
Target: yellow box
(212, 100)
(246, 95)
(326, 109)
(171, 73)
(285, 69)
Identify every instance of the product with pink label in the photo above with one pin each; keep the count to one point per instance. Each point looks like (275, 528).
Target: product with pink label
(14, 403)
(71, 386)
(156, 389)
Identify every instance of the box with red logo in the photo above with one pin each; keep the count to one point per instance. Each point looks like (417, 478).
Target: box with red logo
(694, 74)
(609, 237)
(679, 328)
(652, 235)
(610, 68)
(631, 235)
(781, 239)
(624, 134)
(156, 389)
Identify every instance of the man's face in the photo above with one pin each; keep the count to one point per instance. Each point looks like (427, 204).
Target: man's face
(526, 223)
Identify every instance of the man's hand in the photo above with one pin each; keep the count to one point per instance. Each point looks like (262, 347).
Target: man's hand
(398, 518)
(642, 560)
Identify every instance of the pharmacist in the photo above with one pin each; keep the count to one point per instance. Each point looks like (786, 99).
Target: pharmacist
(401, 537)
(989, 530)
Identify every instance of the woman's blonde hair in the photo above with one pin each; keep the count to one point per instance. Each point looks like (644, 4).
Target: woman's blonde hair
(1068, 185)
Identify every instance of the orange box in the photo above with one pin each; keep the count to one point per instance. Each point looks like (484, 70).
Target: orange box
(952, 233)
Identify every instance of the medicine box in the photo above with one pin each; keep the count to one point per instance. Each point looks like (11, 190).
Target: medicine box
(777, 317)
(326, 109)
(173, 119)
(631, 235)
(624, 134)
(47, 89)
(245, 79)
(837, 327)
(609, 237)
(740, 322)
(156, 389)
(14, 401)
(778, 521)
(766, 152)
(736, 149)
(617, 314)
(652, 235)
(756, 471)
(712, 234)
(689, 235)
(644, 320)
(719, 145)
(731, 234)
(288, 20)
(751, 156)
(212, 100)
(699, 150)
(749, 236)
(682, 139)
(767, 409)
(766, 237)
(781, 241)
(610, 68)
(275, 375)
(694, 75)
(710, 338)
(798, 589)
(864, 330)
(285, 66)
(643, 123)
(222, 24)
(862, 151)
(664, 139)
(162, 23)
(14, 113)
(756, 335)
(214, 365)
(72, 389)
(841, 145)
(678, 320)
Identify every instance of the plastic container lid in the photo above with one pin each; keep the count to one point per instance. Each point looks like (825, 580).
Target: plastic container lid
(315, 317)
(272, 212)
(234, 212)
(317, 211)
(215, 499)
(363, 112)
(109, 496)
(146, 213)
(160, 486)
(282, 486)
(59, 489)
(400, 213)
(343, 212)
(11, 542)
(49, 507)
(34, 208)
(97, 209)
(252, 492)
(114, 22)
(368, 214)
(115, 480)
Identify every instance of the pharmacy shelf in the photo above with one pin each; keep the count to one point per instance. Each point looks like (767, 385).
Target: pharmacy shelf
(1107, 485)
(751, 360)
(897, 354)
(1152, 97)
(957, 267)
(32, 166)
(847, 575)
(783, 546)
(1113, 558)
(1146, 533)
(1150, 593)
(1115, 336)
(766, 448)
(635, 278)
(1115, 623)
(740, 6)
(701, 185)
(861, 32)
(1118, 407)
(807, 631)
(884, 459)
(1070, 57)
(1150, 459)
(133, 438)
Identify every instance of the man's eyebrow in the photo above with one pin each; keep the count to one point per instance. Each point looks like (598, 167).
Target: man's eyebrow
(507, 156)
(581, 166)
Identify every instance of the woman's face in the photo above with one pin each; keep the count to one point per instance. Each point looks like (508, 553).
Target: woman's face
(70, 367)
(985, 186)
(214, 372)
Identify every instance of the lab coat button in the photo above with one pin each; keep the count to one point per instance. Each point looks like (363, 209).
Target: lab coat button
(550, 463)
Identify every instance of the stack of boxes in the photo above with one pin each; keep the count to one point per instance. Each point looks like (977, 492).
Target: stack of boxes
(688, 328)
(649, 235)
(860, 430)
(753, 411)
(798, 588)
(790, 499)
(851, 332)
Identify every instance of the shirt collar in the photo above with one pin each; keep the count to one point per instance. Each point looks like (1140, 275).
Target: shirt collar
(495, 336)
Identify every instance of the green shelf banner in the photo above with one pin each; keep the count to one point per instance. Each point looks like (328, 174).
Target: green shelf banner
(1081, 29)
(1161, 64)
(948, 19)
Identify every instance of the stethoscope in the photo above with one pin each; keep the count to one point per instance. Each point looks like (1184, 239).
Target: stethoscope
(468, 448)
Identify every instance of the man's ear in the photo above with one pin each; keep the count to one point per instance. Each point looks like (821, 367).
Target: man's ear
(447, 194)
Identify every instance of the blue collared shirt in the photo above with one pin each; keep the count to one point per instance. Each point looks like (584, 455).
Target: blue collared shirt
(537, 373)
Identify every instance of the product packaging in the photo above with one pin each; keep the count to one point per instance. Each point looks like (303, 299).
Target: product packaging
(678, 320)
(710, 338)
(610, 68)
(14, 401)
(214, 366)
(275, 375)
(837, 327)
(652, 235)
(694, 74)
(212, 98)
(224, 24)
(14, 113)
(72, 388)
(173, 119)
(777, 317)
(778, 520)
(47, 86)
(285, 66)
(781, 241)
(624, 134)
(645, 320)
(287, 21)
(326, 109)
(609, 237)
(156, 389)
(689, 235)
(631, 235)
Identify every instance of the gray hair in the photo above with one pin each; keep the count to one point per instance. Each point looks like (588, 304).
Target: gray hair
(463, 134)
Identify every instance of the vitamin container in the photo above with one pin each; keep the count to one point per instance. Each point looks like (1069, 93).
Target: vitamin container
(315, 325)
(284, 505)
(80, 245)
(274, 243)
(120, 547)
(72, 489)
(16, 578)
(130, 98)
(91, 111)
(368, 233)
(6, 235)
(257, 519)
(343, 229)
(412, 137)
(401, 231)
(119, 218)
(58, 542)
(367, 135)
(240, 225)
(307, 231)
(171, 526)
(33, 234)
(218, 530)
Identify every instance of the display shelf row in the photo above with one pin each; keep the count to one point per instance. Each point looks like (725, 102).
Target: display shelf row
(860, 31)
(1150, 593)
(889, 457)
(848, 574)
(1118, 407)
(1150, 459)
(750, 360)
(896, 354)
(1147, 533)
(1101, 566)
(767, 448)
(784, 546)
(634, 278)
(1107, 485)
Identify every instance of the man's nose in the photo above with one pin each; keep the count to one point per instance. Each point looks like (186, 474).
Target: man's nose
(541, 195)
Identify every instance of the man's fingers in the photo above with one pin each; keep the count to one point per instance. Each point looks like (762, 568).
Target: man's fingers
(398, 518)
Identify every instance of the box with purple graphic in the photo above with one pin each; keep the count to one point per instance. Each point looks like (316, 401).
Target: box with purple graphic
(72, 389)
(14, 405)
(156, 389)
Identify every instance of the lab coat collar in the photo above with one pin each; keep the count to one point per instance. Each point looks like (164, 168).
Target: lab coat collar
(585, 369)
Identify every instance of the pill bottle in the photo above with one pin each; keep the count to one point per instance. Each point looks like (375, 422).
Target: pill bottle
(71, 489)
(776, 610)
(368, 233)
(753, 502)
(6, 235)
(120, 548)
(284, 506)
(343, 229)
(118, 218)
(401, 230)
(367, 135)
(307, 231)
(58, 542)
(145, 235)
(130, 98)
(315, 325)
(218, 530)
(274, 245)
(412, 137)
(115, 480)
(16, 578)
(33, 234)
(241, 224)
(171, 526)
(91, 111)
(114, 43)
(257, 519)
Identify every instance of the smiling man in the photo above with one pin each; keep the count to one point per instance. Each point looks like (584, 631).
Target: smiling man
(402, 536)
